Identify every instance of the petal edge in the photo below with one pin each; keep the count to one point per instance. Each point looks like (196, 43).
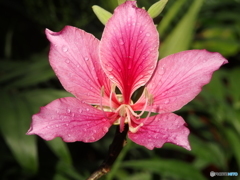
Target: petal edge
(71, 120)
(161, 129)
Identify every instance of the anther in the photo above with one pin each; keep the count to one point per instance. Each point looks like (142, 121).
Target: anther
(102, 91)
(150, 100)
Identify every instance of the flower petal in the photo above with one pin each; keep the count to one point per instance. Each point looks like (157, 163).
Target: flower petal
(74, 58)
(161, 129)
(179, 78)
(71, 120)
(129, 48)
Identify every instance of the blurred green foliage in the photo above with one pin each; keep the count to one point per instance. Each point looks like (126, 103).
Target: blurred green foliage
(27, 82)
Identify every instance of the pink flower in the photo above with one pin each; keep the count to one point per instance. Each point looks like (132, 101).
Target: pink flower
(125, 58)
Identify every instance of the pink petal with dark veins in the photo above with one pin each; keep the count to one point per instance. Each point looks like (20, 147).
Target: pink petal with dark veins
(129, 48)
(71, 120)
(161, 129)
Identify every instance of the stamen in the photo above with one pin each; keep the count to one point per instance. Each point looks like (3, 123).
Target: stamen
(133, 113)
(146, 93)
(144, 108)
(146, 118)
(131, 128)
(110, 98)
(135, 129)
(130, 119)
(149, 101)
(102, 92)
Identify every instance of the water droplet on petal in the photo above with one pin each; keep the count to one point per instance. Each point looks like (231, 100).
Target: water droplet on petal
(87, 109)
(121, 42)
(111, 76)
(69, 135)
(92, 139)
(67, 61)
(109, 68)
(166, 101)
(68, 110)
(148, 34)
(105, 129)
(64, 48)
(164, 136)
(57, 126)
(161, 71)
(86, 58)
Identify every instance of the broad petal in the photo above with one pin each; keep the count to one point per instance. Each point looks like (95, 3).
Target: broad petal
(180, 77)
(161, 129)
(71, 120)
(129, 48)
(74, 58)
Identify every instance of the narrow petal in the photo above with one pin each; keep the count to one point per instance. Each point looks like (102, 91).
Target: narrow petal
(161, 129)
(74, 58)
(129, 48)
(180, 77)
(71, 120)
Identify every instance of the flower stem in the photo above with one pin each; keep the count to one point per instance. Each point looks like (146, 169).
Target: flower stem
(115, 148)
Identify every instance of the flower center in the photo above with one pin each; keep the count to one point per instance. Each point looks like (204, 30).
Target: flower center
(125, 112)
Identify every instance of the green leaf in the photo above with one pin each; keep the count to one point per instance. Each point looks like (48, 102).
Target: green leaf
(15, 115)
(216, 87)
(167, 168)
(181, 36)
(66, 171)
(210, 154)
(26, 74)
(60, 149)
(234, 84)
(219, 39)
(121, 2)
(139, 176)
(157, 8)
(102, 14)
(169, 16)
(41, 97)
(233, 139)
